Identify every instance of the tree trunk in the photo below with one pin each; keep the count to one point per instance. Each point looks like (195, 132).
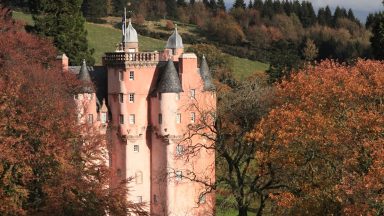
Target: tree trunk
(243, 211)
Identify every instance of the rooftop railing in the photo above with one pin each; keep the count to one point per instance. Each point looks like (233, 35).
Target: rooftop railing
(119, 58)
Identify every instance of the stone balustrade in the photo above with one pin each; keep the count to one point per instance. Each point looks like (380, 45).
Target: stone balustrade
(123, 58)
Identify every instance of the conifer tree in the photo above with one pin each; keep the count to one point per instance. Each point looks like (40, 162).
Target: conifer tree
(328, 16)
(377, 39)
(221, 5)
(94, 9)
(192, 2)
(181, 3)
(64, 23)
(213, 4)
(250, 5)
(239, 4)
(171, 8)
(258, 5)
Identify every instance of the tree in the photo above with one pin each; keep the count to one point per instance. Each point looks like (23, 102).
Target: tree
(285, 60)
(94, 9)
(171, 8)
(63, 22)
(181, 3)
(324, 139)
(377, 39)
(310, 50)
(240, 175)
(49, 163)
(192, 2)
(221, 5)
(239, 4)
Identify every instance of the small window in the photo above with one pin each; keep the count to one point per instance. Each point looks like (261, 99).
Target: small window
(90, 118)
(178, 175)
(193, 93)
(103, 117)
(139, 177)
(139, 199)
(121, 75)
(132, 119)
(159, 96)
(121, 119)
(178, 118)
(202, 199)
(131, 75)
(121, 98)
(178, 96)
(131, 97)
(136, 148)
(160, 118)
(193, 117)
(154, 198)
(179, 149)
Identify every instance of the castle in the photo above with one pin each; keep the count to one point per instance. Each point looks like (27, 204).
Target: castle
(145, 103)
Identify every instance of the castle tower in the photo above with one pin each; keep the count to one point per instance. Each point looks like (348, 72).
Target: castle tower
(175, 46)
(86, 99)
(151, 100)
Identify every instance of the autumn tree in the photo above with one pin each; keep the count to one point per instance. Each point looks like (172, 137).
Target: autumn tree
(310, 50)
(49, 163)
(64, 23)
(324, 139)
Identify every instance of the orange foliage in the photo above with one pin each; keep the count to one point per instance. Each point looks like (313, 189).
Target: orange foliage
(47, 166)
(325, 138)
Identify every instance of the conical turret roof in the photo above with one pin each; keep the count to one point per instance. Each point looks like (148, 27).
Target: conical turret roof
(206, 75)
(175, 41)
(169, 80)
(86, 78)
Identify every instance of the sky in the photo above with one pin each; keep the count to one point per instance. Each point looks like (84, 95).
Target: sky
(361, 8)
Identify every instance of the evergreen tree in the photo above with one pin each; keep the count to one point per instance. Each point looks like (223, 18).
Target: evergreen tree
(63, 21)
(287, 5)
(181, 3)
(221, 5)
(377, 39)
(321, 17)
(213, 5)
(258, 5)
(206, 3)
(268, 9)
(250, 5)
(277, 7)
(118, 6)
(171, 8)
(239, 4)
(328, 15)
(94, 9)
(192, 2)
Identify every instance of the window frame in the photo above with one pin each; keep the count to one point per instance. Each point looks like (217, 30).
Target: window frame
(121, 75)
(132, 75)
(131, 98)
(192, 93)
(132, 119)
(179, 175)
(121, 119)
(178, 118)
(136, 148)
(90, 119)
(121, 98)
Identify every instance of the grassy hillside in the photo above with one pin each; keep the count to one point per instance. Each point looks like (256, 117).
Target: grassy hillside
(104, 38)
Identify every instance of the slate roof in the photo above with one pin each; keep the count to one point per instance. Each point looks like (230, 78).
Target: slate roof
(175, 41)
(98, 76)
(206, 75)
(169, 81)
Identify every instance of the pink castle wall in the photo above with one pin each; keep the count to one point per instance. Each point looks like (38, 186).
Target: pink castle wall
(154, 166)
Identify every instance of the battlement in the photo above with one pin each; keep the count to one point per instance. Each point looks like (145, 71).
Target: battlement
(130, 58)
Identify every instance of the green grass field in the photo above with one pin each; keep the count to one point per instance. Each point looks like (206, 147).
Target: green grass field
(104, 38)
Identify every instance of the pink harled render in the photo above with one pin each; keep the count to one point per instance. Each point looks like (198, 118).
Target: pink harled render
(152, 99)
